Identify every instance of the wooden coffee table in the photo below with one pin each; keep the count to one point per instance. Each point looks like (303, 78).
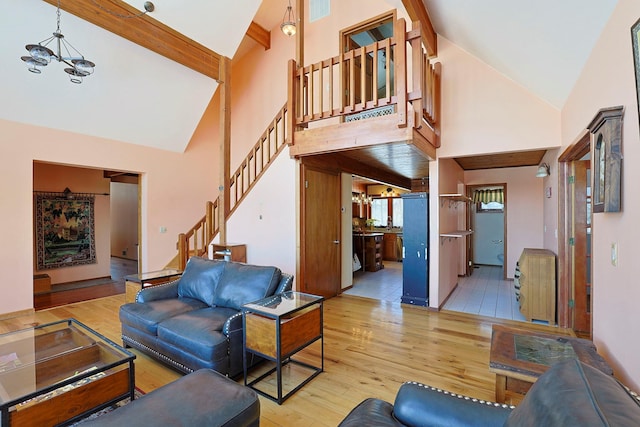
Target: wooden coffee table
(59, 372)
(519, 356)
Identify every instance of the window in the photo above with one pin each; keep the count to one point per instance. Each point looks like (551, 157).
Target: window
(380, 212)
(396, 205)
(387, 208)
(490, 207)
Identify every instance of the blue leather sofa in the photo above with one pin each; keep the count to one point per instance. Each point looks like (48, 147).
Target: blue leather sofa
(569, 394)
(195, 322)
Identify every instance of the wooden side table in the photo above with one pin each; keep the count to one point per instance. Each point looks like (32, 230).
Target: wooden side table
(278, 327)
(519, 356)
(134, 283)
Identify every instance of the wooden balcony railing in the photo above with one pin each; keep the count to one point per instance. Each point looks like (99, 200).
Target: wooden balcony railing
(368, 78)
(195, 242)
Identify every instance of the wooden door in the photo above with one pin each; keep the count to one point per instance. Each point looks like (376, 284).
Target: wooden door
(320, 228)
(581, 247)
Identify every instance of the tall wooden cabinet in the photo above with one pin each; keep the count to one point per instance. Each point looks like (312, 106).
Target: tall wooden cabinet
(537, 281)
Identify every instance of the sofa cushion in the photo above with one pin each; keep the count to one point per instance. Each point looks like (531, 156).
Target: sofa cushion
(571, 393)
(203, 398)
(200, 279)
(198, 332)
(145, 317)
(242, 283)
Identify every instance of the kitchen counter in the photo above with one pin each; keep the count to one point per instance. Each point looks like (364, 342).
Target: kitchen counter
(368, 247)
(367, 234)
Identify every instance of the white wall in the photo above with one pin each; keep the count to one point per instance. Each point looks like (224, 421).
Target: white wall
(606, 81)
(266, 219)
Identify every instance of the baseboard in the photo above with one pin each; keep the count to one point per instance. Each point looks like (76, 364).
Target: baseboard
(13, 314)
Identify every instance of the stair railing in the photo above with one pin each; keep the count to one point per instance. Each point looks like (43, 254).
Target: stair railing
(259, 158)
(195, 242)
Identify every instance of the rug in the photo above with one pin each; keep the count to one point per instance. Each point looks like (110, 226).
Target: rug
(138, 394)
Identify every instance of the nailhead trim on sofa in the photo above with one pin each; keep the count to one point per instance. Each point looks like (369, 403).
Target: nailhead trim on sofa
(460, 396)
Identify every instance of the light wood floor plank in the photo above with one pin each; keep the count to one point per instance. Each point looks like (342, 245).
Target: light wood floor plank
(371, 348)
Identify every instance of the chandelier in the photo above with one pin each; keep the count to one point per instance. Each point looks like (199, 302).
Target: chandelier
(40, 55)
(288, 26)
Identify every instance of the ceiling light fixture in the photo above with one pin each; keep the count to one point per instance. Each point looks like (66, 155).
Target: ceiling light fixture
(543, 170)
(288, 26)
(40, 56)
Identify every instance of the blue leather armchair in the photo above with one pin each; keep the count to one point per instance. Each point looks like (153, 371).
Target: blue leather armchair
(569, 394)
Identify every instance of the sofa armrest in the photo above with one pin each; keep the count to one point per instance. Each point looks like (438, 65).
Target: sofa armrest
(371, 412)
(157, 292)
(285, 284)
(416, 403)
(233, 323)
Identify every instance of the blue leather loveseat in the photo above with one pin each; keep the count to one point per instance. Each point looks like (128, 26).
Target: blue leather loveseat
(569, 394)
(195, 321)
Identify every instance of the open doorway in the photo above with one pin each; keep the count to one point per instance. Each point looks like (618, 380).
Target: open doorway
(63, 225)
(574, 235)
(485, 290)
(487, 219)
(377, 225)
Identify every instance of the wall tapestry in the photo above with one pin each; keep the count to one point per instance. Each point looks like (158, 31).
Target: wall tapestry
(65, 233)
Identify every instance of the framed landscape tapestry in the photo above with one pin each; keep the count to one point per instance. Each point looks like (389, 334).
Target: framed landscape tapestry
(64, 231)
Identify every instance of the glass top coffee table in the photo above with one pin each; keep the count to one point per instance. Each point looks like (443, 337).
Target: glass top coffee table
(60, 372)
(519, 356)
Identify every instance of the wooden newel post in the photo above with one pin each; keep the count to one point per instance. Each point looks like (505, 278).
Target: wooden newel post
(182, 251)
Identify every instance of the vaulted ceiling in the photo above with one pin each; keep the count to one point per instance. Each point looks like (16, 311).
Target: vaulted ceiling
(137, 96)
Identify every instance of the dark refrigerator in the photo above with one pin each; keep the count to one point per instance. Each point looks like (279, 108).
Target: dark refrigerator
(415, 250)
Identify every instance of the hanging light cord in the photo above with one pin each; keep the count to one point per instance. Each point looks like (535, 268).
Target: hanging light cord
(148, 7)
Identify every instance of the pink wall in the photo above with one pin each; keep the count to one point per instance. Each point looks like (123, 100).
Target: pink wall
(606, 81)
(524, 208)
(485, 112)
(175, 188)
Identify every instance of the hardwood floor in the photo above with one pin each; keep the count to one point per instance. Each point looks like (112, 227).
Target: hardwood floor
(371, 347)
(68, 293)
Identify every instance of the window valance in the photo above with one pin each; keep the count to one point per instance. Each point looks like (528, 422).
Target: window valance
(488, 196)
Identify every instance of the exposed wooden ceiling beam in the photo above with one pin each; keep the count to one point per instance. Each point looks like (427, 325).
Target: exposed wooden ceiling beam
(260, 35)
(418, 12)
(146, 32)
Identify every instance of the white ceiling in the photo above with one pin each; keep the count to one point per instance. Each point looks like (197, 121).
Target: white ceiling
(139, 97)
(134, 95)
(542, 44)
